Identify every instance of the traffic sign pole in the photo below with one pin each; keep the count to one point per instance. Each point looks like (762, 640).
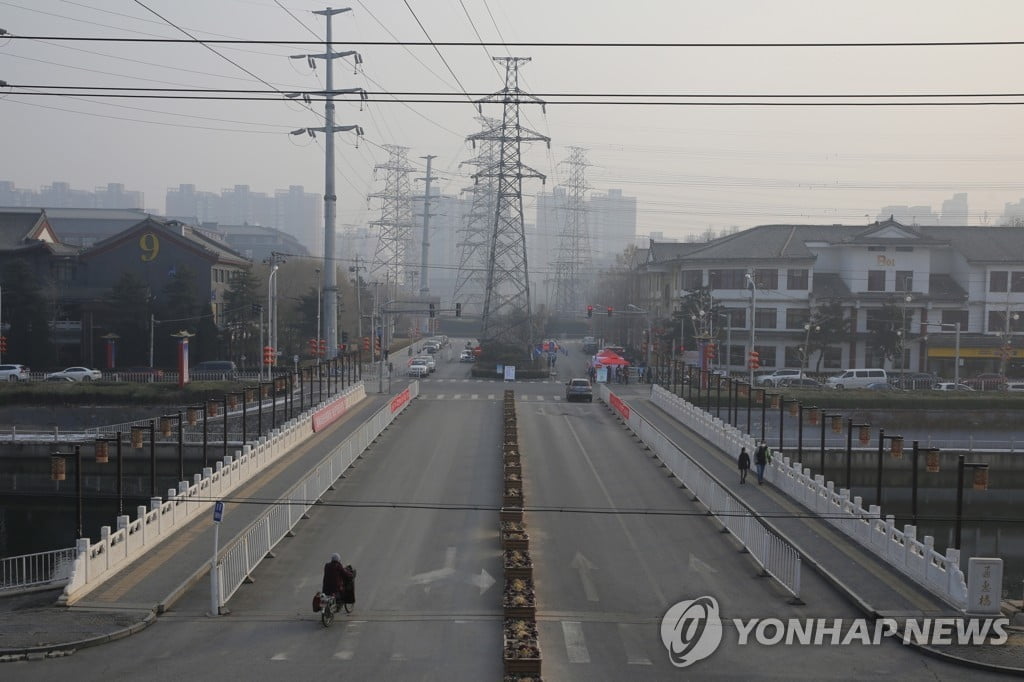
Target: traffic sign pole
(218, 514)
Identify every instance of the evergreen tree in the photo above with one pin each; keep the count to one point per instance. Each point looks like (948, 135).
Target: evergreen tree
(28, 334)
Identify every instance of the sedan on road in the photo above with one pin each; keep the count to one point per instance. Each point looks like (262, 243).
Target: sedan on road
(14, 373)
(579, 389)
(418, 370)
(77, 374)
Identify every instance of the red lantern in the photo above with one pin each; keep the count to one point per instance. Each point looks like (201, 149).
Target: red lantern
(57, 471)
(981, 478)
(896, 449)
(211, 408)
(865, 435)
(814, 416)
(837, 424)
(794, 408)
(931, 460)
(192, 416)
(165, 426)
(232, 401)
(102, 456)
(137, 437)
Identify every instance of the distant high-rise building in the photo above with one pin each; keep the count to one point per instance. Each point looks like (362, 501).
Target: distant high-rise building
(954, 211)
(612, 225)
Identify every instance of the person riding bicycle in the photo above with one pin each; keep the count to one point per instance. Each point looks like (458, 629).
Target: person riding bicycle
(338, 579)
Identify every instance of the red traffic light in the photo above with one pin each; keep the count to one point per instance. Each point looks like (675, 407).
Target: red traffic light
(610, 311)
(755, 360)
(590, 311)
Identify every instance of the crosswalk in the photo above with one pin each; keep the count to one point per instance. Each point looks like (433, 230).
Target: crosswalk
(520, 397)
(575, 641)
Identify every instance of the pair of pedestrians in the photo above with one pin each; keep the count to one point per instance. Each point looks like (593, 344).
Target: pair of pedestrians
(760, 462)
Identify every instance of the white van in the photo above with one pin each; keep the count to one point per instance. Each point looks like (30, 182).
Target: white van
(857, 378)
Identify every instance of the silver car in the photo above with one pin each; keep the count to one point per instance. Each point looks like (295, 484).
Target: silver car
(77, 374)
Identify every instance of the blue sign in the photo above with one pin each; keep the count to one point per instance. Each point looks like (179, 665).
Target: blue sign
(218, 511)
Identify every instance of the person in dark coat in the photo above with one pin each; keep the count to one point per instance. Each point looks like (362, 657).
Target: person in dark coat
(338, 580)
(744, 464)
(761, 461)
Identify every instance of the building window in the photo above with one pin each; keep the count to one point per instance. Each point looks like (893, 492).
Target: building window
(1017, 281)
(874, 320)
(793, 357)
(877, 248)
(904, 249)
(833, 358)
(737, 356)
(876, 280)
(727, 279)
(691, 279)
(796, 279)
(767, 355)
(997, 321)
(766, 318)
(737, 317)
(767, 278)
(904, 280)
(997, 280)
(796, 318)
(954, 316)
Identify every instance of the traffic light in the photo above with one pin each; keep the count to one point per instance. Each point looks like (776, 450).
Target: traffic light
(323, 347)
(366, 343)
(344, 337)
(458, 310)
(590, 311)
(376, 345)
(609, 311)
(755, 360)
(268, 355)
(432, 311)
(312, 347)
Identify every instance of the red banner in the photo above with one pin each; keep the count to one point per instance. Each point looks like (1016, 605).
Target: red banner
(621, 407)
(399, 401)
(326, 416)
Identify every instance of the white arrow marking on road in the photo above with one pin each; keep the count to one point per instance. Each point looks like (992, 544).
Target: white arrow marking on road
(438, 573)
(698, 566)
(583, 565)
(575, 644)
(483, 581)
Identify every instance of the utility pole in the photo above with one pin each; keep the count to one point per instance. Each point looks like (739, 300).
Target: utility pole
(507, 314)
(753, 313)
(425, 242)
(330, 297)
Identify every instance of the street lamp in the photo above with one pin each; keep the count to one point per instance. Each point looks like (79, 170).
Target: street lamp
(318, 289)
(805, 350)
(932, 459)
(836, 424)
(980, 483)
(903, 336)
(57, 474)
(864, 437)
(895, 449)
(272, 313)
(753, 312)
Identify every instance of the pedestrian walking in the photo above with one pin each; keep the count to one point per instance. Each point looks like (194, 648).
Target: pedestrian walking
(761, 461)
(744, 464)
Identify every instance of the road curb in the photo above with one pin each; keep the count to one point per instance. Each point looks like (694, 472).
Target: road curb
(68, 648)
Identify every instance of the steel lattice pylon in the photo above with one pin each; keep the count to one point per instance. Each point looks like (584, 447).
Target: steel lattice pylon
(471, 280)
(573, 260)
(507, 315)
(391, 264)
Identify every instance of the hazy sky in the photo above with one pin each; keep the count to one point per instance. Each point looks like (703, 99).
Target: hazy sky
(691, 167)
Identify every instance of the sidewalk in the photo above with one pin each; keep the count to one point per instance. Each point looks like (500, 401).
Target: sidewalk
(874, 587)
(33, 626)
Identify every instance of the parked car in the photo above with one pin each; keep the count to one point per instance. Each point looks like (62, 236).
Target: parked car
(214, 370)
(589, 345)
(857, 378)
(14, 373)
(879, 386)
(799, 383)
(418, 369)
(78, 374)
(774, 377)
(950, 386)
(579, 389)
(987, 382)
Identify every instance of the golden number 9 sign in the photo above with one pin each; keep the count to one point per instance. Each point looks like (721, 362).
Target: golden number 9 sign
(150, 245)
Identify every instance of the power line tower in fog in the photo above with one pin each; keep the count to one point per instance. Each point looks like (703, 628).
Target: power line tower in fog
(507, 315)
(573, 261)
(474, 235)
(392, 262)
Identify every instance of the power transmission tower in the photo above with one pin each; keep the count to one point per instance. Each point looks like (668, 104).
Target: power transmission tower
(392, 257)
(329, 304)
(471, 280)
(573, 260)
(507, 314)
(425, 241)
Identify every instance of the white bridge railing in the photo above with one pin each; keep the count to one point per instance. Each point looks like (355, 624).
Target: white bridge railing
(776, 557)
(96, 562)
(940, 574)
(240, 557)
(39, 570)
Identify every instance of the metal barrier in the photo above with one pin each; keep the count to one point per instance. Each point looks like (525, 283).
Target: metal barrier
(43, 569)
(240, 558)
(939, 573)
(776, 557)
(96, 562)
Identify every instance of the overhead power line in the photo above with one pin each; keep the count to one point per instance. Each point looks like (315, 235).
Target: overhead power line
(465, 43)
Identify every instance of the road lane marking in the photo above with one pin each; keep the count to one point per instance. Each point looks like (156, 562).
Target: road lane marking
(349, 640)
(474, 396)
(575, 644)
(457, 396)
